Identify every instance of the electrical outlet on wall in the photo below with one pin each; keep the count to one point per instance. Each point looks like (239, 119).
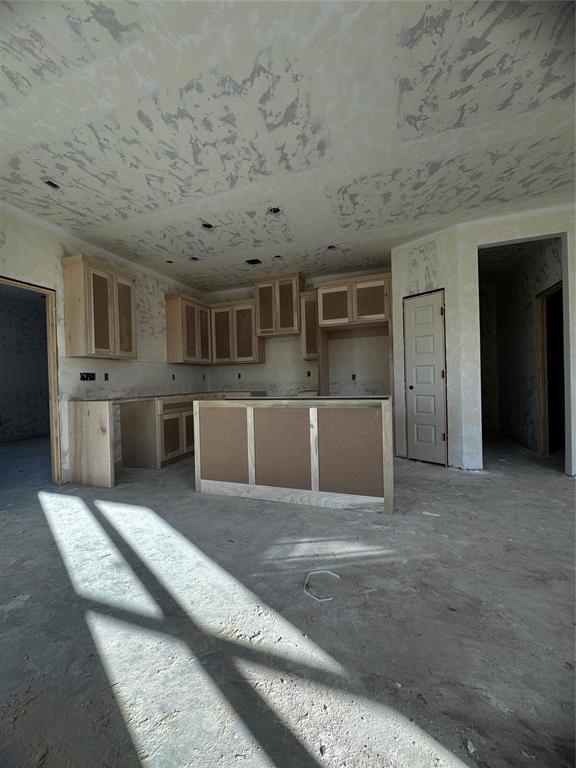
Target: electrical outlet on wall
(353, 377)
(239, 375)
(173, 377)
(87, 376)
(106, 377)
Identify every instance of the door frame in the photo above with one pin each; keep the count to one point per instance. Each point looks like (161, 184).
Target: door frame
(542, 365)
(413, 296)
(52, 353)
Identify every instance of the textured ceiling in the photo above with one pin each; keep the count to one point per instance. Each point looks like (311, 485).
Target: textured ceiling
(366, 123)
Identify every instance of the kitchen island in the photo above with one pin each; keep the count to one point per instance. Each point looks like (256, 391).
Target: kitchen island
(328, 451)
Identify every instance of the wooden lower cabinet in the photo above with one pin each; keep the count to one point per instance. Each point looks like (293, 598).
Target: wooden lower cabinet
(172, 436)
(177, 434)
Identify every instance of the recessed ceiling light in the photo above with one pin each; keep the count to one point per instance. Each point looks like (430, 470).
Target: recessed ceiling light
(51, 184)
(169, 262)
(278, 256)
(274, 210)
(330, 247)
(253, 262)
(207, 225)
(194, 258)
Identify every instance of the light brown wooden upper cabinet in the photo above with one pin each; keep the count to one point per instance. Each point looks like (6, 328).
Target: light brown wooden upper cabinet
(99, 309)
(334, 305)
(188, 337)
(355, 301)
(278, 305)
(234, 333)
(310, 331)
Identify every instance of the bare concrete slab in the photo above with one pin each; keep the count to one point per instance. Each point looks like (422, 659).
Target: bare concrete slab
(149, 625)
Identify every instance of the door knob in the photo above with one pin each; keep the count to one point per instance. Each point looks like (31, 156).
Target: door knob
(410, 387)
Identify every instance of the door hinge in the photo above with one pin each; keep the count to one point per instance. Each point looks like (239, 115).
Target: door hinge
(441, 310)
(443, 374)
(443, 437)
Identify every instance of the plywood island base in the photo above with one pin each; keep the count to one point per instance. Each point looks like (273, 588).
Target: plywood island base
(330, 452)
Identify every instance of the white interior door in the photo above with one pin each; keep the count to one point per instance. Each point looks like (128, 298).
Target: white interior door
(425, 377)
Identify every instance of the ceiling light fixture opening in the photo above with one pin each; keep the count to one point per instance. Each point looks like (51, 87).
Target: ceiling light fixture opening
(207, 225)
(194, 258)
(279, 256)
(274, 210)
(253, 262)
(51, 184)
(330, 247)
(168, 261)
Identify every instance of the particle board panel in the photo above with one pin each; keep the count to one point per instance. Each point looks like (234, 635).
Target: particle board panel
(190, 321)
(266, 307)
(139, 434)
(335, 305)
(172, 434)
(370, 300)
(101, 288)
(282, 447)
(311, 326)
(204, 317)
(125, 327)
(243, 318)
(286, 304)
(350, 458)
(223, 437)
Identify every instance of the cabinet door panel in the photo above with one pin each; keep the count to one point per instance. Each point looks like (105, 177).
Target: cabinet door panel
(310, 330)
(244, 333)
(101, 312)
(286, 319)
(204, 323)
(172, 438)
(222, 336)
(188, 418)
(370, 300)
(334, 305)
(265, 295)
(125, 318)
(190, 315)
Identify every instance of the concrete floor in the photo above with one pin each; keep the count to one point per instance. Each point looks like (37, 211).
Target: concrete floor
(147, 625)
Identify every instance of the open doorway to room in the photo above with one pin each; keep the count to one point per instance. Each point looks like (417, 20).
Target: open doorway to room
(522, 349)
(29, 425)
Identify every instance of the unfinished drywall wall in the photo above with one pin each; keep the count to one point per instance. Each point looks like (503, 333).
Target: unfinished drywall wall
(358, 365)
(449, 259)
(284, 374)
(516, 293)
(24, 410)
(32, 253)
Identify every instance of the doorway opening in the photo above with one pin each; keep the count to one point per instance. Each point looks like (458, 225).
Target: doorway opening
(549, 316)
(522, 347)
(29, 418)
